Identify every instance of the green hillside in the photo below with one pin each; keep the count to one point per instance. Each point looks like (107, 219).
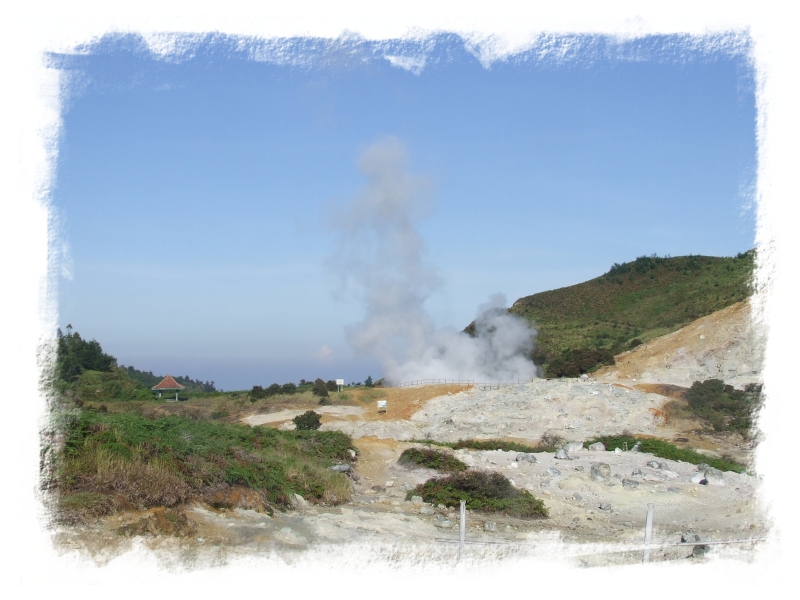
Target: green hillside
(582, 326)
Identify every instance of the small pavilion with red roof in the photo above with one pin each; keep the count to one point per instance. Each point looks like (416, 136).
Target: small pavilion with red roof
(168, 384)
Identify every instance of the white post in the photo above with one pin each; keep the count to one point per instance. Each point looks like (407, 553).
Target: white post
(648, 533)
(462, 530)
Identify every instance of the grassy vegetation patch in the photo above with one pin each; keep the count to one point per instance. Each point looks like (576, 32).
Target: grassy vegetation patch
(724, 407)
(100, 386)
(664, 449)
(431, 459)
(488, 492)
(169, 460)
(548, 443)
(581, 327)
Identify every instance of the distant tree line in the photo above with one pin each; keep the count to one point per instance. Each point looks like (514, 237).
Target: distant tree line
(191, 385)
(318, 387)
(573, 362)
(75, 355)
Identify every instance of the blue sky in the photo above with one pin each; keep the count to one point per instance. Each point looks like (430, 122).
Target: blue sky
(195, 194)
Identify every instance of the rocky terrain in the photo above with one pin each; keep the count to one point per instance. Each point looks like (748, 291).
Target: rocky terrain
(597, 500)
(725, 345)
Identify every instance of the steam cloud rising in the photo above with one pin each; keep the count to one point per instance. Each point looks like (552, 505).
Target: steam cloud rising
(381, 253)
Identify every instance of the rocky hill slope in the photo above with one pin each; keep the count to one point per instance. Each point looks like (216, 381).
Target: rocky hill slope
(725, 345)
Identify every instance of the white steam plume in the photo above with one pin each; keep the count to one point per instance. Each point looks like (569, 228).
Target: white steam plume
(382, 254)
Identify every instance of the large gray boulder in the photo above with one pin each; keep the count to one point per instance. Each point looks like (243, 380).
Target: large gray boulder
(630, 483)
(597, 447)
(553, 471)
(299, 502)
(289, 536)
(561, 454)
(698, 477)
(714, 476)
(600, 472)
(573, 446)
(526, 457)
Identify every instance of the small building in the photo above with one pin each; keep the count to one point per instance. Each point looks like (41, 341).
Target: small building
(167, 385)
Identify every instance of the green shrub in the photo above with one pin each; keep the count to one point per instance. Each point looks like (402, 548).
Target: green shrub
(319, 389)
(489, 492)
(724, 407)
(431, 459)
(308, 421)
(664, 449)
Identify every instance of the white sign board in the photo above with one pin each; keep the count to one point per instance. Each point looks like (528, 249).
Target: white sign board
(340, 382)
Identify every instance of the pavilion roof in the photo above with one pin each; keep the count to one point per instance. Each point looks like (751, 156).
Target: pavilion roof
(168, 383)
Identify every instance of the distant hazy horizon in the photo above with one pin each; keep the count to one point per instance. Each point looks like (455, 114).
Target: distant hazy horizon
(198, 196)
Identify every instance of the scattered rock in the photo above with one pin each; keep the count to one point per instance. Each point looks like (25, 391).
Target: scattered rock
(630, 483)
(300, 503)
(573, 446)
(697, 550)
(703, 467)
(600, 472)
(489, 526)
(351, 452)
(577, 497)
(597, 447)
(416, 500)
(663, 466)
(698, 478)
(426, 510)
(378, 488)
(288, 426)
(389, 484)
(714, 476)
(653, 464)
(526, 457)
(553, 471)
(674, 490)
(617, 450)
(289, 536)
(636, 471)
(353, 475)
(636, 447)
(561, 454)
(580, 468)
(406, 487)
(443, 522)
(340, 468)
(604, 506)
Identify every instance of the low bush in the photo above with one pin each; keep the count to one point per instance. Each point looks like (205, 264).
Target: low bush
(548, 443)
(664, 449)
(431, 459)
(488, 492)
(308, 421)
(724, 407)
(319, 389)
